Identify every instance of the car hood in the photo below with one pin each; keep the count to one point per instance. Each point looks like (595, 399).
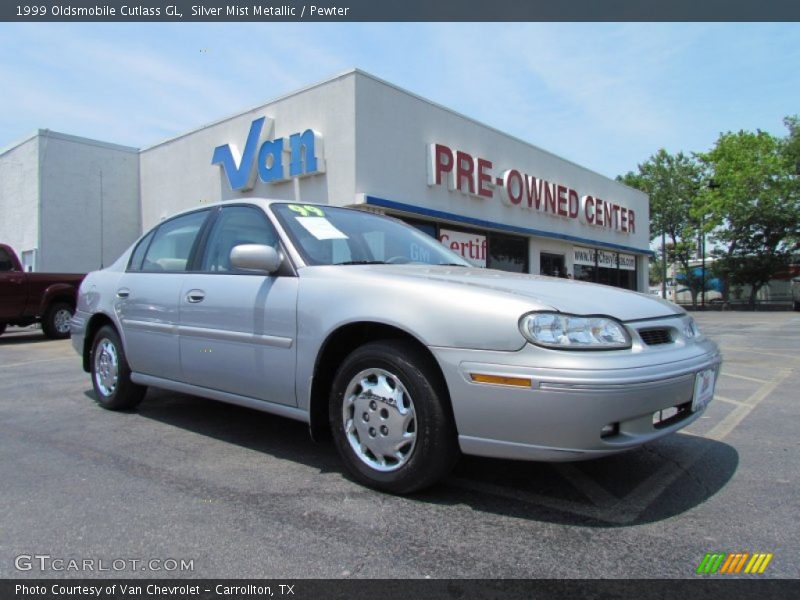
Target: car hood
(544, 293)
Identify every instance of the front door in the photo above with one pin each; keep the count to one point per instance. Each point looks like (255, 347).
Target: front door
(238, 328)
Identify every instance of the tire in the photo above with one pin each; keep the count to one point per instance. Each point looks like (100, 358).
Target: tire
(2, 328)
(111, 375)
(55, 322)
(797, 305)
(390, 418)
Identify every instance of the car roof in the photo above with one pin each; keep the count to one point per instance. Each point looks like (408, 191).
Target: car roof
(253, 201)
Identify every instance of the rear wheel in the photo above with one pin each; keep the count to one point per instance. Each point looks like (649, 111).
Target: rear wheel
(55, 323)
(390, 418)
(111, 375)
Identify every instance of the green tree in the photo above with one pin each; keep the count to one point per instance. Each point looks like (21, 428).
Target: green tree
(673, 183)
(753, 207)
(791, 150)
(792, 142)
(656, 270)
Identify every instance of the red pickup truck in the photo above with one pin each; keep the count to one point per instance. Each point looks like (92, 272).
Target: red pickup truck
(26, 298)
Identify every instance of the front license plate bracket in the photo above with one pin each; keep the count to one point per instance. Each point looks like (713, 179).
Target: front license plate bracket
(703, 389)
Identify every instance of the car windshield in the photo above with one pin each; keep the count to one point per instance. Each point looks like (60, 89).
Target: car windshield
(327, 235)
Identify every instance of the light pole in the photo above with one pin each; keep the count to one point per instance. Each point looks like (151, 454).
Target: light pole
(102, 222)
(702, 261)
(712, 185)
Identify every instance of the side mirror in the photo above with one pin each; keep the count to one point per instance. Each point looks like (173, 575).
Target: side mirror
(255, 257)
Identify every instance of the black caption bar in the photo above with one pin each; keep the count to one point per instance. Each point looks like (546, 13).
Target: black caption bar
(390, 589)
(400, 10)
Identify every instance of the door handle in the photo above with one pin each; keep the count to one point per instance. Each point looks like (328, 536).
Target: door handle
(123, 293)
(195, 296)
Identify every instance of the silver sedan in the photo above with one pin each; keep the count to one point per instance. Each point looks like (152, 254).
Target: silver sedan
(369, 330)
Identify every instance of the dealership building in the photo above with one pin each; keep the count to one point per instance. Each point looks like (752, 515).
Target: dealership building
(74, 204)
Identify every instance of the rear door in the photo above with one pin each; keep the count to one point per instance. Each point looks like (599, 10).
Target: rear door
(148, 295)
(238, 328)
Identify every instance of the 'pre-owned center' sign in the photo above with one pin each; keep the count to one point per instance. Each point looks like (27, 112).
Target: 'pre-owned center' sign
(267, 159)
(476, 176)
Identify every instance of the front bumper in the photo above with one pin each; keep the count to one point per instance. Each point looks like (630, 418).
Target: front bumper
(561, 415)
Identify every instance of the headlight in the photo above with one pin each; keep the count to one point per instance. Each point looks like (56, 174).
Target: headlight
(691, 331)
(572, 332)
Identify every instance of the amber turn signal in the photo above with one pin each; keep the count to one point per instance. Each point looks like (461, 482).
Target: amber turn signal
(500, 380)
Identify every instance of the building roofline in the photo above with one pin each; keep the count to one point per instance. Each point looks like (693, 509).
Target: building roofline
(49, 134)
(357, 71)
(239, 113)
(17, 143)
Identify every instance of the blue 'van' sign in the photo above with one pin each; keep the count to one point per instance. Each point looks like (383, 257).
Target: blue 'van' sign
(304, 152)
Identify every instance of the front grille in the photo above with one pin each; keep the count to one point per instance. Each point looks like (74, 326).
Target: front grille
(654, 337)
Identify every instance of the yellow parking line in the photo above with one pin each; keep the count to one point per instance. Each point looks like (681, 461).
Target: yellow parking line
(749, 351)
(737, 415)
(729, 400)
(737, 376)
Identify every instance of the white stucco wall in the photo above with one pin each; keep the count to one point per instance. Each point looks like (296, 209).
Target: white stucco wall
(394, 129)
(178, 173)
(19, 195)
(83, 182)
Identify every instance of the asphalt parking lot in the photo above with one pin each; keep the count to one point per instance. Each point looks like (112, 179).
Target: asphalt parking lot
(244, 494)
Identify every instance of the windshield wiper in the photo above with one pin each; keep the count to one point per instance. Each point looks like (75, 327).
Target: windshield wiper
(361, 262)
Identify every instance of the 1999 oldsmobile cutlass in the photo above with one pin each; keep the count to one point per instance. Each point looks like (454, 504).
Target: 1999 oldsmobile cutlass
(361, 325)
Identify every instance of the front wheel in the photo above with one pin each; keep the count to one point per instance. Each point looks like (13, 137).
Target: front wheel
(390, 418)
(55, 322)
(111, 375)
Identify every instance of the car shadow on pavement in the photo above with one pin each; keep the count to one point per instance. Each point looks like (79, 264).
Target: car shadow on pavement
(654, 482)
(277, 436)
(27, 337)
(651, 483)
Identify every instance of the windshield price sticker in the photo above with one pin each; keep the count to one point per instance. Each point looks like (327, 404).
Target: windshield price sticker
(321, 228)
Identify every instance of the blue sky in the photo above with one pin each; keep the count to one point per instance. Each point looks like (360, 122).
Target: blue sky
(603, 95)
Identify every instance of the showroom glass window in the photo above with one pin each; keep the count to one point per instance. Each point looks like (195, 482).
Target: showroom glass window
(503, 252)
(552, 265)
(608, 276)
(607, 269)
(507, 253)
(424, 226)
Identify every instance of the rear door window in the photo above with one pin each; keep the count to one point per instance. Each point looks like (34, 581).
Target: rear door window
(172, 244)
